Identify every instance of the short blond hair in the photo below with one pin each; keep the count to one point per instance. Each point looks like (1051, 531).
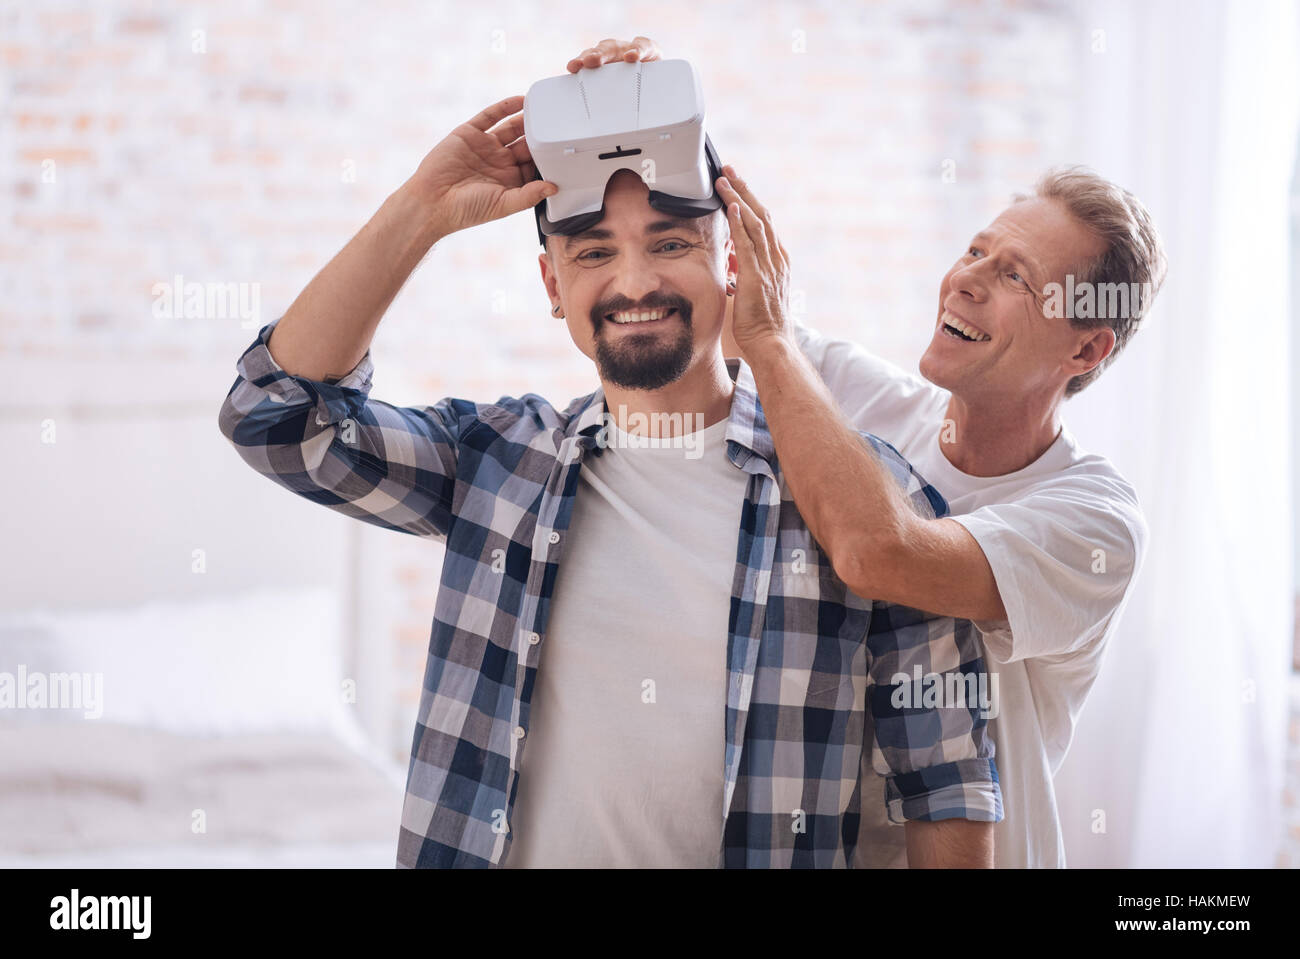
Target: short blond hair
(1133, 253)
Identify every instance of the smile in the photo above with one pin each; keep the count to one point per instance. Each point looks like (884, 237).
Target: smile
(628, 318)
(959, 330)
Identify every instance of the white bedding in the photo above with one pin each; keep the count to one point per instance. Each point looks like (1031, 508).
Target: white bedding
(95, 794)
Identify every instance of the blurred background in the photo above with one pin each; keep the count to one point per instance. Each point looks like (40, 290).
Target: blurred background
(261, 657)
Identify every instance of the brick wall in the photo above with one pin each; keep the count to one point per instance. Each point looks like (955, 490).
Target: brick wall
(244, 143)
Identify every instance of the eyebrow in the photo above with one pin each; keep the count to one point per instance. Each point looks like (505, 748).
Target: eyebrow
(1023, 260)
(658, 226)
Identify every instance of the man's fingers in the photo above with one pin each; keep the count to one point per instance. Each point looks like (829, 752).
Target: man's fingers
(595, 56)
(648, 48)
(578, 62)
(613, 51)
(510, 131)
(520, 153)
(742, 188)
(497, 112)
(587, 58)
(754, 228)
(773, 243)
(640, 48)
(521, 198)
(750, 257)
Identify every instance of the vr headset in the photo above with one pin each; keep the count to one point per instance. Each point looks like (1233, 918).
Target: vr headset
(645, 117)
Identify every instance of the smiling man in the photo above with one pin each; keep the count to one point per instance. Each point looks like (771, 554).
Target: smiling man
(639, 656)
(1045, 540)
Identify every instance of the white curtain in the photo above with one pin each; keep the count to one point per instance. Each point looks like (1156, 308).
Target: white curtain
(1179, 755)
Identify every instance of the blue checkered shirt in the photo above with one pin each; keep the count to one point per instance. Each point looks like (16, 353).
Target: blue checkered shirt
(811, 666)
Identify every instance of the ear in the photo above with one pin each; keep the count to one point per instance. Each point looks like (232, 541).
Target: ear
(548, 276)
(1091, 350)
(729, 345)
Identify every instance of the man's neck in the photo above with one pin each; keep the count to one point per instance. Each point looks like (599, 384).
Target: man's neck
(994, 436)
(700, 398)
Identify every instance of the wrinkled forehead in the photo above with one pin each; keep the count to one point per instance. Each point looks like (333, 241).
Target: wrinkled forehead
(1043, 234)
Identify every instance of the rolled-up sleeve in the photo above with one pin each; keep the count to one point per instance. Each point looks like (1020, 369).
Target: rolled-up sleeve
(390, 466)
(930, 694)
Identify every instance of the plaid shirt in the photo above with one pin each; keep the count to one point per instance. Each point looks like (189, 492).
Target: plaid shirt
(811, 666)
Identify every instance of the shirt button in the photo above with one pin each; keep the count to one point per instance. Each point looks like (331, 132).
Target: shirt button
(553, 538)
(519, 732)
(534, 639)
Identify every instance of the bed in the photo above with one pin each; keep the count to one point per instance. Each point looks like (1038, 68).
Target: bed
(221, 735)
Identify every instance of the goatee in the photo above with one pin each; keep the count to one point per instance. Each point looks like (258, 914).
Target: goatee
(646, 361)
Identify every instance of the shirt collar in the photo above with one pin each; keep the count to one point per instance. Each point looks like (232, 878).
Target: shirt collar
(746, 426)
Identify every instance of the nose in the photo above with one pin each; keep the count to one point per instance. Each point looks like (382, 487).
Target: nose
(969, 280)
(636, 277)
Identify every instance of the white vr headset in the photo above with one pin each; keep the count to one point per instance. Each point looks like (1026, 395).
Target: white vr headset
(645, 117)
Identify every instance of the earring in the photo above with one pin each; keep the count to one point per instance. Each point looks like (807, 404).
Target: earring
(555, 310)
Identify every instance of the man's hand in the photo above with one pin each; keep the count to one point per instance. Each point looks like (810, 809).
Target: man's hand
(478, 174)
(761, 304)
(613, 51)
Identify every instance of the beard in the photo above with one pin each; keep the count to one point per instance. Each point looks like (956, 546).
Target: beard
(646, 361)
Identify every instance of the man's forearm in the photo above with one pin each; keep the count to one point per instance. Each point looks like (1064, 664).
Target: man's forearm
(877, 542)
(328, 328)
(849, 500)
(949, 844)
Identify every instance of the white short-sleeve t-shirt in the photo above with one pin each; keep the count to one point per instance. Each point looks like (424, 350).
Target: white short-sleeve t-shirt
(1065, 537)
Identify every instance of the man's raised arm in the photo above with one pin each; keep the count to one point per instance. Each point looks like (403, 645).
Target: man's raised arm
(328, 328)
(300, 412)
(482, 171)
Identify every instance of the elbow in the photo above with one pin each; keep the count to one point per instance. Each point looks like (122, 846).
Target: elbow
(850, 567)
(233, 423)
(249, 431)
(226, 420)
(866, 563)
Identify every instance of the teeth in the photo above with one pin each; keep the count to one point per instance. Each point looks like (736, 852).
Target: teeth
(639, 317)
(968, 330)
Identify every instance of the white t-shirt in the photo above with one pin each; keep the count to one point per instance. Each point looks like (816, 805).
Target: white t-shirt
(625, 757)
(1065, 537)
